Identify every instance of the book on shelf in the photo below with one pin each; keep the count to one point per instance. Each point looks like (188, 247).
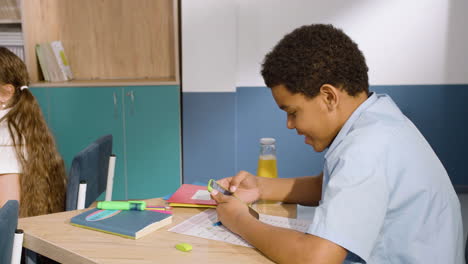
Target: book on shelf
(53, 62)
(125, 223)
(62, 60)
(190, 195)
(41, 59)
(12, 39)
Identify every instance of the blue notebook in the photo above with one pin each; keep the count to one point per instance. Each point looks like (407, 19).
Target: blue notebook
(129, 224)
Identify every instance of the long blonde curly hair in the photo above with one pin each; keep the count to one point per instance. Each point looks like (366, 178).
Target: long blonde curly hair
(43, 177)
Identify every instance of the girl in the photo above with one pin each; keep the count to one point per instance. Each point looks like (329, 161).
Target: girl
(31, 169)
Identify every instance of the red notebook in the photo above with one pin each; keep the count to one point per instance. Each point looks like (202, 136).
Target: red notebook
(189, 195)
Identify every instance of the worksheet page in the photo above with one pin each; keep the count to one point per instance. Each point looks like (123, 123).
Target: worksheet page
(206, 225)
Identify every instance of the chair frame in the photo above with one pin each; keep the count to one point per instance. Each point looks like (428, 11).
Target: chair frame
(109, 186)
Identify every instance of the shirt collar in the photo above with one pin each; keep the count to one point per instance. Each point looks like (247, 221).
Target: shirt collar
(349, 123)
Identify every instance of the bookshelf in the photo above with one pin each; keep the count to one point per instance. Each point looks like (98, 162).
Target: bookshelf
(108, 82)
(10, 12)
(107, 42)
(10, 27)
(10, 21)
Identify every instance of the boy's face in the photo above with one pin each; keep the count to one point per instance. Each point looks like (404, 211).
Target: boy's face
(311, 117)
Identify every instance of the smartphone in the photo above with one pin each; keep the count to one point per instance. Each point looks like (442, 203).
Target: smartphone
(213, 185)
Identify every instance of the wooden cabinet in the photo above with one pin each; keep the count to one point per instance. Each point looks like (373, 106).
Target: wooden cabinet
(107, 42)
(10, 27)
(124, 56)
(10, 12)
(152, 140)
(145, 124)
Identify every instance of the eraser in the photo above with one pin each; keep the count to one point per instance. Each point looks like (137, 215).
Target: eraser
(185, 247)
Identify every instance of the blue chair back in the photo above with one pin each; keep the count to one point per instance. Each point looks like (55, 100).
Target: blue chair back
(8, 224)
(90, 165)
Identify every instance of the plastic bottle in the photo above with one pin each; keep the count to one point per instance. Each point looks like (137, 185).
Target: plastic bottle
(267, 159)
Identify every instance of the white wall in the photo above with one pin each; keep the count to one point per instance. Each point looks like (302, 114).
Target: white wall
(209, 45)
(405, 42)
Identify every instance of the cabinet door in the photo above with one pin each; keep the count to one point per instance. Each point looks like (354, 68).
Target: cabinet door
(80, 115)
(43, 99)
(153, 140)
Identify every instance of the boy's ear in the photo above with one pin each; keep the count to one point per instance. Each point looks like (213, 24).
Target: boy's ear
(330, 96)
(6, 92)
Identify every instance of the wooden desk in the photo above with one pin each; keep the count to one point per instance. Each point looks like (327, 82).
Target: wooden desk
(54, 237)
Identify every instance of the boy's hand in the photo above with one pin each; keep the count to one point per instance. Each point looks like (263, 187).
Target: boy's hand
(230, 210)
(245, 186)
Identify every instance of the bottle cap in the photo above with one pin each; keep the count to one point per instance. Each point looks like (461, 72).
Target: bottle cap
(267, 141)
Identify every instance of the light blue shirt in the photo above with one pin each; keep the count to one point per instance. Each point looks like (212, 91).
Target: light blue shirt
(386, 197)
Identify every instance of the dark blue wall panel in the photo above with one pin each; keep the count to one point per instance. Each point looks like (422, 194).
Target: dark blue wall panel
(258, 116)
(208, 136)
(222, 130)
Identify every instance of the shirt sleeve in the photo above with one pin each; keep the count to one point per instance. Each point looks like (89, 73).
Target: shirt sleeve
(9, 162)
(354, 200)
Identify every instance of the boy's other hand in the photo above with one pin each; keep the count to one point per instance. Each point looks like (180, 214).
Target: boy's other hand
(230, 210)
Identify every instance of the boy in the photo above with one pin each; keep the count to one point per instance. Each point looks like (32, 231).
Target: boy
(383, 195)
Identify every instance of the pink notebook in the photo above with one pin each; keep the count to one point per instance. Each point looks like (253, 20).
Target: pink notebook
(189, 195)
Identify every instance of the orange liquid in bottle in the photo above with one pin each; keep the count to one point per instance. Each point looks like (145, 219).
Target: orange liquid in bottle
(267, 167)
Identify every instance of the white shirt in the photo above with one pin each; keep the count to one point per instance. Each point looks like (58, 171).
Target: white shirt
(9, 162)
(386, 196)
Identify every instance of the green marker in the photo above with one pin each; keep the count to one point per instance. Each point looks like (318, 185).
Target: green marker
(118, 205)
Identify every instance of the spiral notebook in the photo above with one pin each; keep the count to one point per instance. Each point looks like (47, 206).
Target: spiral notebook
(124, 223)
(191, 195)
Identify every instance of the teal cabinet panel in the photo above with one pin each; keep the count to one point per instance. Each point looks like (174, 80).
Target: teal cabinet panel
(43, 99)
(80, 115)
(153, 140)
(144, 122)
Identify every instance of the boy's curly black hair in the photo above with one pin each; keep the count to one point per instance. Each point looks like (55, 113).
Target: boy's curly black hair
(314, 55)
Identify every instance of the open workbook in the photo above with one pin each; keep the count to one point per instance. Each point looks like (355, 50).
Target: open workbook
(205, 225)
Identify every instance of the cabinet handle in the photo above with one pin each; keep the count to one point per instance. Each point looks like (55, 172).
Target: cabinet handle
(132, 102)
(116, 111)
